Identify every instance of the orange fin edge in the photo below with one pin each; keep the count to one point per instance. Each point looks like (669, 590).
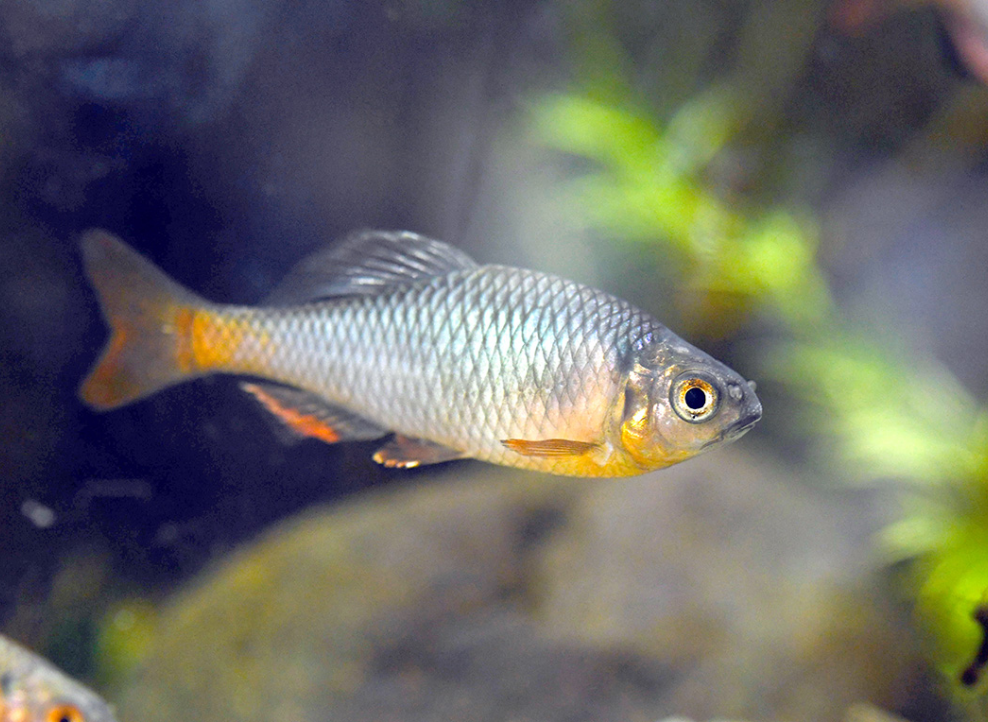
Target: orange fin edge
(404, 452)
(150, 318)
(308, 415)
(300, 422)
(549, 447)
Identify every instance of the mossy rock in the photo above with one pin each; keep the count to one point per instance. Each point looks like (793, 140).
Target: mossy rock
(719, 587)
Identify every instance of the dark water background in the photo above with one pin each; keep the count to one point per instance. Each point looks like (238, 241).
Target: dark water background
(224, 143)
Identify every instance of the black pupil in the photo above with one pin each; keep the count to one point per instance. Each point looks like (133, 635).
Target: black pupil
(695, 398)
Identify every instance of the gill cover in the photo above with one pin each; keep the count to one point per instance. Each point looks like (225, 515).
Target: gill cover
(640, 436)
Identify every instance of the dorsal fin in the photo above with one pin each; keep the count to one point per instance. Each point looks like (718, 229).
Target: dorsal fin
(364, 263)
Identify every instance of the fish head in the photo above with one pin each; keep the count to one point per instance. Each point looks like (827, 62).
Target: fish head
(37, 692)
(679, 401)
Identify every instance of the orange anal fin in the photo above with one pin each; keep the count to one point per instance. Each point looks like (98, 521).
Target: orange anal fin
(307, 415)
(549, 447)
(403, 452)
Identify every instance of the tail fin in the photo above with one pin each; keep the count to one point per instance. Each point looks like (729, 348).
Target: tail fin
(150, 318)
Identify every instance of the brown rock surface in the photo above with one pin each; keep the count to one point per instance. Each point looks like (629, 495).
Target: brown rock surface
(718, 588)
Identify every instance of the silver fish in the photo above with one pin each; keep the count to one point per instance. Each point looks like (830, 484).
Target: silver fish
(34, 690)
(393, 332)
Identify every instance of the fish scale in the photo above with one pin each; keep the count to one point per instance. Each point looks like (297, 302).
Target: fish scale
(34, 690)
(434, 357)
(391, 331)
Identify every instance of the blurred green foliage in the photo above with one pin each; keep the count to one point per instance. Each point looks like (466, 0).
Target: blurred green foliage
(646, 189)
(125, 635)
(884, 414)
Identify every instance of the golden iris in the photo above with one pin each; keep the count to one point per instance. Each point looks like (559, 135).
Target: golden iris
(64, 713)
(694, 399)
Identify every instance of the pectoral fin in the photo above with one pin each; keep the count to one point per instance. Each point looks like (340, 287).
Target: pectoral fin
(307, 415)
(403, 452)
(549, 447)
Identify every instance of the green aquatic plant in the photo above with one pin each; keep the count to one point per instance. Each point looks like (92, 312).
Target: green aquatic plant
(126, 632)
(645, 188)
(646, 185)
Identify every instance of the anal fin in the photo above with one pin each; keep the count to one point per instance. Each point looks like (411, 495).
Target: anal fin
(403, 452)
(550, 447)
(307, 415)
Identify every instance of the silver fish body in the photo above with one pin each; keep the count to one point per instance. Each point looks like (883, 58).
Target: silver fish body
(503, 364)
(34, 690)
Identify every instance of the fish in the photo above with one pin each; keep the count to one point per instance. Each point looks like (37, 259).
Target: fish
(34, 690)
(390, 332)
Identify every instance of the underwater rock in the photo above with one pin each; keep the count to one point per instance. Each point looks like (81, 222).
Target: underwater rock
(764, 590)
(719, 588)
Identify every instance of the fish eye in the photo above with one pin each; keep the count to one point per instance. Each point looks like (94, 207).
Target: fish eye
(64, 713)
(694, 399)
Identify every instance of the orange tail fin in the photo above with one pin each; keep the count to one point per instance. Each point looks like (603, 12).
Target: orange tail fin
(150, 318)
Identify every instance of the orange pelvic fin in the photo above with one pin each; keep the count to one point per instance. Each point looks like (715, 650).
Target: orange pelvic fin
(307, 415)
(549, 447)
(151, 320)
(403, 452)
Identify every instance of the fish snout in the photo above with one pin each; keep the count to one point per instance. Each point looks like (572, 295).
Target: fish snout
(750, 414)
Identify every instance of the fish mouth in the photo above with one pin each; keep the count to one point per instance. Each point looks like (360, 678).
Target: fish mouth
(743, 425)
